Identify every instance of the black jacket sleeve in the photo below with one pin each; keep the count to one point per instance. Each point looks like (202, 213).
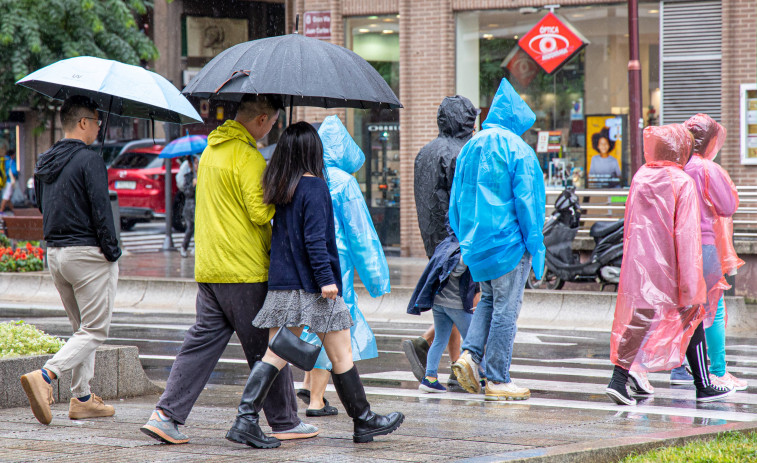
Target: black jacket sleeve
(96, 183)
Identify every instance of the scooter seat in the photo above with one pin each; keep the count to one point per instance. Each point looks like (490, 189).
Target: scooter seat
(602, 229)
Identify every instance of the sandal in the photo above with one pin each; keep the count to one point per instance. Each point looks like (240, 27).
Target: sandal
(304, 395)
(327, 410)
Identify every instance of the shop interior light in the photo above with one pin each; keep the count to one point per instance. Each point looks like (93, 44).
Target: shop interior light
(515, 37)
(653, 11)
(398, 16)
(488, 36)
(373, 25)
(492, 25)
(363, 31)
(388, 20)
(372, 17)
(387, 31)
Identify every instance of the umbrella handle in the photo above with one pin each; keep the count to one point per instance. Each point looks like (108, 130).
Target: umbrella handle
(105, 129)
(233, 75)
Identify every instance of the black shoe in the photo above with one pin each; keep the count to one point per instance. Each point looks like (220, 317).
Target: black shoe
(416, 351)
(712, 393)
(304, 395)
(453, 385)
(327, 410)
(619, 394)
(248, 432)
(367, 424)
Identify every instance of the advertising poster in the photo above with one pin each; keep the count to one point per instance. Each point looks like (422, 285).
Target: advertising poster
(604, 148)
(206, 37)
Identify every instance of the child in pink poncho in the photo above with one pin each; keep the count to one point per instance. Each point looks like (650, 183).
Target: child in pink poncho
(718, 200)
(658, 315)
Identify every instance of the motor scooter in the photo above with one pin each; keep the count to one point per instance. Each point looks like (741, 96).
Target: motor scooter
(563, 264)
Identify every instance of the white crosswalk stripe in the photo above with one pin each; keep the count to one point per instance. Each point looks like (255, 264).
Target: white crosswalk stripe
(140, 241)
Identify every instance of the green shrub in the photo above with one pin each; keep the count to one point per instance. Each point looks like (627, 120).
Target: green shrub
(18, 338)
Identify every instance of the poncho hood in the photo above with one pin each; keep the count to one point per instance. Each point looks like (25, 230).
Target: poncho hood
(339, 149)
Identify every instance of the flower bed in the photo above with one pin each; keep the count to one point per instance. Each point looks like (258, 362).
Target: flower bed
(27, 256)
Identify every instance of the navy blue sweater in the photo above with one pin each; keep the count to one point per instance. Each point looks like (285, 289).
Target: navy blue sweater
(303, 244)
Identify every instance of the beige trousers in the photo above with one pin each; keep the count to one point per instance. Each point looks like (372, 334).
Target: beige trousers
(86, 282)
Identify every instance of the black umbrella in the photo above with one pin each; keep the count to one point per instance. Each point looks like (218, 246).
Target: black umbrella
(305, 71)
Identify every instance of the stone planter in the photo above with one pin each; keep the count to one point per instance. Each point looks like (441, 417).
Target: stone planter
(118, 374)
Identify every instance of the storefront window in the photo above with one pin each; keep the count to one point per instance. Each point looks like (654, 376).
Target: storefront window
(591, 87)
(376, 39)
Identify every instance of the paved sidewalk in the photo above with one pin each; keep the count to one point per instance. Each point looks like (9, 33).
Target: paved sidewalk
(459, 427)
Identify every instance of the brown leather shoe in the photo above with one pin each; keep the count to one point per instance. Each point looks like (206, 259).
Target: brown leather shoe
(40, 395)
(93, 408)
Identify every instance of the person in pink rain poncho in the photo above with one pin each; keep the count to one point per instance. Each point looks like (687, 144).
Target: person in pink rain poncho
(659, 313)
(718, 200)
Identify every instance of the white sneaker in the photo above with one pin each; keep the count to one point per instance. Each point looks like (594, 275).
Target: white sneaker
(640, 383)
(505, 391)
(738, 384)
(466, 371)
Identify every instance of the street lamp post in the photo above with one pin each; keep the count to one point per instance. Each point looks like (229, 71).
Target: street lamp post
(636, 123)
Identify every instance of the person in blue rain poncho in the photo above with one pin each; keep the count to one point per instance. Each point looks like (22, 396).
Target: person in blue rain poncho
(359, 249)
(497, 212)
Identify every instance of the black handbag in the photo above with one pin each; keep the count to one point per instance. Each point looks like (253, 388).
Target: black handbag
(294, 350)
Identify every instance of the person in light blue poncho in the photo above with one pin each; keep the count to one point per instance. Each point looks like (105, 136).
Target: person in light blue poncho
(359, 249)
(497, 212)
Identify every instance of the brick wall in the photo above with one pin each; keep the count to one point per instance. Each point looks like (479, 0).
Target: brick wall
(427, 74)
(739, 66)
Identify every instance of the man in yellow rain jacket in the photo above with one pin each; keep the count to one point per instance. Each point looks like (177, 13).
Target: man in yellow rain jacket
(232, 244)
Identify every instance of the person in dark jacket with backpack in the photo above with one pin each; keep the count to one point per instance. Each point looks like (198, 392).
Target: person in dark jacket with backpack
(434, 171)
(71, 183)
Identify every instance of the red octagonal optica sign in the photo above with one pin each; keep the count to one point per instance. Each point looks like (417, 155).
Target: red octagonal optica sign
(552, 42)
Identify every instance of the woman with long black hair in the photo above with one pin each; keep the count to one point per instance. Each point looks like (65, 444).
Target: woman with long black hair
(304, 287)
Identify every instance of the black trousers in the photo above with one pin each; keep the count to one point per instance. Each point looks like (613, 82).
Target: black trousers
(223, 308)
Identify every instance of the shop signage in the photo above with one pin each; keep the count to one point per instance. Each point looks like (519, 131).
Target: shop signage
(318, 24)
(384, 127)
(549, 141)
(522, 68)
(552, 42)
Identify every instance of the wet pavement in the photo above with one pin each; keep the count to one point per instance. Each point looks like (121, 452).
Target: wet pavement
(566, 372)
(568, 418)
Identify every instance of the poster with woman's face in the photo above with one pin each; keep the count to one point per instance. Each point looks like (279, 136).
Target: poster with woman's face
(604, 139)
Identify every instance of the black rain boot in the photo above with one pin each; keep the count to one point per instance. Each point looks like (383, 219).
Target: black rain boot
(246, 429)
(367, 424)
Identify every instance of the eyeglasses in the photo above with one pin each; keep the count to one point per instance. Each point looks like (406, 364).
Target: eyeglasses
(99, 122)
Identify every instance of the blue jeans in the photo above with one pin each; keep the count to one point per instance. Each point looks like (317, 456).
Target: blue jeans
(494, 324)
(444, 318)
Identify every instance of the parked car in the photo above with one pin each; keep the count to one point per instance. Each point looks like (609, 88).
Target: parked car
(138, 175)
(113, 148)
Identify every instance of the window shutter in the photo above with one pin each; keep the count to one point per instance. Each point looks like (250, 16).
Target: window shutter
(690, 58)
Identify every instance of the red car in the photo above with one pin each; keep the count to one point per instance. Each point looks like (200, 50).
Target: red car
(138, 175)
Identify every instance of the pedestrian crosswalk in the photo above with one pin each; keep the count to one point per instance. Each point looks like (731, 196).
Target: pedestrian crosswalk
(149, 241)
(565, 371)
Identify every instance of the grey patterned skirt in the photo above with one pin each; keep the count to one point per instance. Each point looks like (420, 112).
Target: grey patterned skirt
(297, 308)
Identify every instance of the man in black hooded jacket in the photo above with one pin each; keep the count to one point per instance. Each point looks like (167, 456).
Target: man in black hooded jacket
(71, 183)
(434, 171)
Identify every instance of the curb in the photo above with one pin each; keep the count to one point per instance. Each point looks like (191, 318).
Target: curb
(34, 294)
(600, 451)
(118, 374)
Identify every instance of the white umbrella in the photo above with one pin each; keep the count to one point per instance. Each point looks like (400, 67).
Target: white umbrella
(117, 88)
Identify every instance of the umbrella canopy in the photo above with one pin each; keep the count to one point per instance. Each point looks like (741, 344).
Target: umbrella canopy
(306, 71)
(117, 88)
(185, 146)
